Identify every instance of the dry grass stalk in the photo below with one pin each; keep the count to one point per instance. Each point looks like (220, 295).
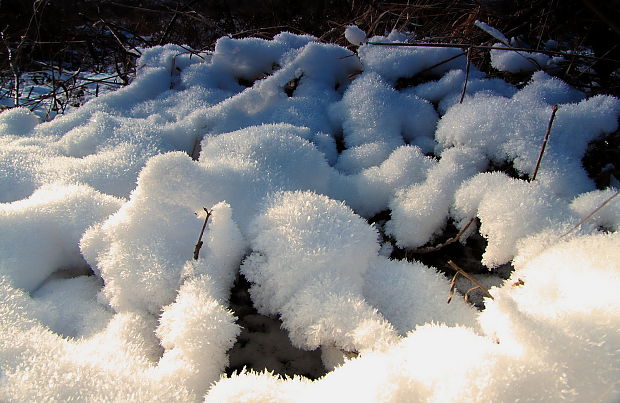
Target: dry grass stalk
(586, 218)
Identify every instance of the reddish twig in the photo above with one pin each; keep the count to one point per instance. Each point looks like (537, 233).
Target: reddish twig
(204, 225)
(544, 144)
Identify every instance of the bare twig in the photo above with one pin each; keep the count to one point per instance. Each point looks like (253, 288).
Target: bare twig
(586, 218)
(544, 144)
(13, 68)
(467, 276)
(466, 75)
(204, 225)
(488, 47)
(435, 248)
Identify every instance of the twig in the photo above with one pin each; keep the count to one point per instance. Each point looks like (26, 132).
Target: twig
(488, 47)
(204, 225)
(466, 75)
(544, 144)
(467, 276)
(13, 69)
(442, 62)
(586, 218)
(435, 248)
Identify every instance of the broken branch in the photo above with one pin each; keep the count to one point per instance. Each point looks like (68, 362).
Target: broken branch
(204, 225)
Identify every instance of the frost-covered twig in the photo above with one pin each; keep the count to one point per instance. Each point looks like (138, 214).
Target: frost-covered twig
(586, 218)
(204, 225)
(544, 144)
(470, 278)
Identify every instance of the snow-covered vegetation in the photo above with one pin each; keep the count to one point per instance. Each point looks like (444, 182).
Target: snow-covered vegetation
(101, 208)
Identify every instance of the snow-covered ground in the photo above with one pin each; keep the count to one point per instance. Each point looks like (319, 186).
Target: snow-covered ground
(101, 208)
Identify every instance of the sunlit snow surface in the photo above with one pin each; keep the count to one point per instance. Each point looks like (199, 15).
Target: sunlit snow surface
(111, 188)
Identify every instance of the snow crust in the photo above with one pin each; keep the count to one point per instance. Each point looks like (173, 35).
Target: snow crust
(291, 145)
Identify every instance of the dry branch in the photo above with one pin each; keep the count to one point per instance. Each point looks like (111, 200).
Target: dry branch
(468, 276)
(204, 225)
(435, 248)
(544, 144)
(586, 218)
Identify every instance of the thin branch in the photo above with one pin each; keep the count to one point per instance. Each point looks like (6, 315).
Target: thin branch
(204, 225)
(466, 75)
(435, 248)
(470, 278)
(586, 218)
(544, 144)
(14, 69)
(452, 287)
(488, 47)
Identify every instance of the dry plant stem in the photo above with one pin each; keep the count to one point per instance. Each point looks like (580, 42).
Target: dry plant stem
(586, 218)
(489, 47)
(544, 144)
(204, 225)
(466, 75)
(469, 277)
(448, 242)
(452, 287)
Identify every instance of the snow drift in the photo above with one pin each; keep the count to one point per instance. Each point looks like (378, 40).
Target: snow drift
(295, 144)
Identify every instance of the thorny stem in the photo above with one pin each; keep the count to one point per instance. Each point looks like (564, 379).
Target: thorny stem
(204, 225)
(544, 144)
(467, 276)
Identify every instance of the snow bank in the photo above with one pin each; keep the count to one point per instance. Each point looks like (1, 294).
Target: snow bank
(290, 144)
(550, 339)
(316, 265)
(31, 248)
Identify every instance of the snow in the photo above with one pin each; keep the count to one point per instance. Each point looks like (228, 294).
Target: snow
(292, 145)
(517, 62)
(354, 35)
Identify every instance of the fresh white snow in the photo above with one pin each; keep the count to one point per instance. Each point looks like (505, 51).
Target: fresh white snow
(111, 188)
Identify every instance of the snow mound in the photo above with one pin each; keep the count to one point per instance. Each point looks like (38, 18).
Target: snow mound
(286, 148)
(316, 265)
(540, 341)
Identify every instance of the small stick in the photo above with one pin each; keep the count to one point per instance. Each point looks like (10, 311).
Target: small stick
(466, 75)
(448, 242)
(469, 277)
(452, 287)
(586, 218)
(204, 225)
(544, 144)
(488, 47)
